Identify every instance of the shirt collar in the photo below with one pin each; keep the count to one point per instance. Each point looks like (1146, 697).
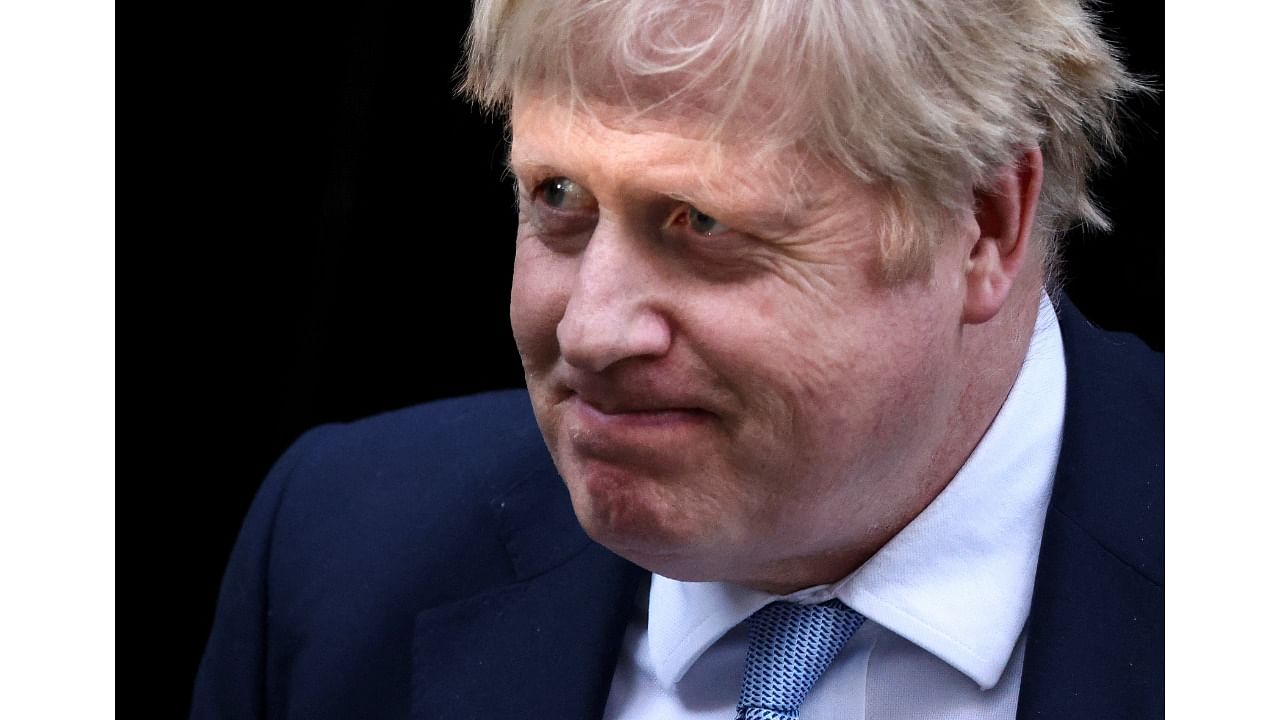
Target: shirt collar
(957, 580)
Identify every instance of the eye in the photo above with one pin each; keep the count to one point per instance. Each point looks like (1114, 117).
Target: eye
(697, 222)
(704, 224)
(561, 193)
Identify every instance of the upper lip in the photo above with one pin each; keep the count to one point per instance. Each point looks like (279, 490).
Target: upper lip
(630, 397)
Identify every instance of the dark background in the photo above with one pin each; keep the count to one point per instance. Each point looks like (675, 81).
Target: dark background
(334, 239)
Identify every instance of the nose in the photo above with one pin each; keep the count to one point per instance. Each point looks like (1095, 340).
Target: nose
(613, 312)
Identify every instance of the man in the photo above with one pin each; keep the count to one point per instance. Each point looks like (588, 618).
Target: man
(805, 433)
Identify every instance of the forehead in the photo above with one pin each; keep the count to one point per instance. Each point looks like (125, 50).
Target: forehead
(678, 151)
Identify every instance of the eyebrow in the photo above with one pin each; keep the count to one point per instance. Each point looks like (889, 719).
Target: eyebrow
(535, 168)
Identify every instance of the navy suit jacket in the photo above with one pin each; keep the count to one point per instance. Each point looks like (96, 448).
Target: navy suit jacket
(426, 563)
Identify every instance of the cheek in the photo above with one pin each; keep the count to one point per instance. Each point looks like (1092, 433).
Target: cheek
(822, 384)
(872, 388)
(540, 288)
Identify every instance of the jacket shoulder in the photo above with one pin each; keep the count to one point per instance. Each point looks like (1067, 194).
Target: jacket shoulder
(1111, 469)
(357, 528)
(1095, 632)
(411, 493)
(457, 450)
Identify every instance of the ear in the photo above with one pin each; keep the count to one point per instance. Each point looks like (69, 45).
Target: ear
(1005, 213)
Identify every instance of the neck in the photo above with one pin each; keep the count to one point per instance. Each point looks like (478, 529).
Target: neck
(993, 358)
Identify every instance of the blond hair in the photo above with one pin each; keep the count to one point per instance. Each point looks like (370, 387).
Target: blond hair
(924, 99)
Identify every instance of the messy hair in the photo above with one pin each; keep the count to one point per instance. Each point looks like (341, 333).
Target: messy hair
(925, 100)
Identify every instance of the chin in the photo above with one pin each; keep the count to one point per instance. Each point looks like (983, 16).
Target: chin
(634, 516)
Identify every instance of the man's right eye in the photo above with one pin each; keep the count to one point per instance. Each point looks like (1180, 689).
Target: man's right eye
(561, 193)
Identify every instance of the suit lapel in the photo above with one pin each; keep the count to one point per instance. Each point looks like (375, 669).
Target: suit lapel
(544, 646)
(1095, 634)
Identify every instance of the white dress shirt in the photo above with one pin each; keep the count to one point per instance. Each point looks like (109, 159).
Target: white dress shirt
(946, 599)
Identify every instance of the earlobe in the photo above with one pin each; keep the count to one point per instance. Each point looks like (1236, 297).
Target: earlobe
(1005, 213)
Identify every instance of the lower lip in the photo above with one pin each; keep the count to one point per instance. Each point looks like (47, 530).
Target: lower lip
(656, 440)
(599, 430)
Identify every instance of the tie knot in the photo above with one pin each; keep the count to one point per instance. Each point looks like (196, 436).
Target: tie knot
(789, 647)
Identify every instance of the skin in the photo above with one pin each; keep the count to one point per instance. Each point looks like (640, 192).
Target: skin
(727, 389)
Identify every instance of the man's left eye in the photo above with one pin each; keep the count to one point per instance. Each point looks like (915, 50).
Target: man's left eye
(704, 224)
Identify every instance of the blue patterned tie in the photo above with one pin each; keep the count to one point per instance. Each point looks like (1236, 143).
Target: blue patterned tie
(789, 647)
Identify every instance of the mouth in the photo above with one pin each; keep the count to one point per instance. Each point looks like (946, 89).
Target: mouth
(638, 413)
(646, 433)
(640, 397)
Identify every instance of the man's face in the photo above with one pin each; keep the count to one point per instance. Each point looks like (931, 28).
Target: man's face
(726, 388)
